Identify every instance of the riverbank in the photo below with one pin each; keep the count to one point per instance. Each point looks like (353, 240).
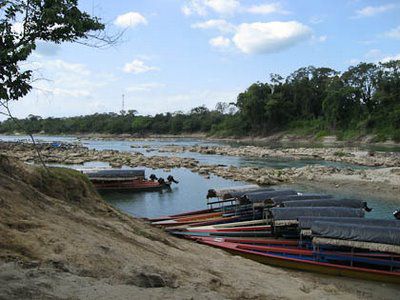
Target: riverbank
(60, 240)
(282, 139)
(377, 182)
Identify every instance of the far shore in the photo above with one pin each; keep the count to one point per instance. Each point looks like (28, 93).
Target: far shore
(280, 139)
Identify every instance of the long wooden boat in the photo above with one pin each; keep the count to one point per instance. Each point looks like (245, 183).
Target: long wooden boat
(233, 225)
(184, 214)
(306, 264)
(251, 240)
(233, 229)
(222, 234)
(211, 220)
(194, 218)
(121, 180)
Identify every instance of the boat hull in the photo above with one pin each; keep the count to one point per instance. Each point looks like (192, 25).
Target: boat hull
(311, 266)
(137, 185)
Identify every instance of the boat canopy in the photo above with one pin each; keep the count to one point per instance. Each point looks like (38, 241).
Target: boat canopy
(266, 195)
(116, 174)
(286, 198)
(241, 193)
(306, 222)
(353, 203)
(221, 192)
(293, 213)
(357, 232)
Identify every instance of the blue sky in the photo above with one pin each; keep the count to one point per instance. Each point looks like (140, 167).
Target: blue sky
(178, 54)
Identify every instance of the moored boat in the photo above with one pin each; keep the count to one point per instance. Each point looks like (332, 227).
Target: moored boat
(127, 180)
(298, 261)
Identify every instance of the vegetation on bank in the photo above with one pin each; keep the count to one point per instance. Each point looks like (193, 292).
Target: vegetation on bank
(365, 99)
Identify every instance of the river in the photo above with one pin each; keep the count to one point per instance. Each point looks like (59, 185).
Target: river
(190, 193)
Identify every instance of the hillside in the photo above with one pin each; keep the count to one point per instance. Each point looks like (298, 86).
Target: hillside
(60, 240)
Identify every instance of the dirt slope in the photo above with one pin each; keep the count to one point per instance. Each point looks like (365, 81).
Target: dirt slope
(59, 240)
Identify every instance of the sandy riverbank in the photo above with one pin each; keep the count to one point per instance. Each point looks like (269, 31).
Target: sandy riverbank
(59, 240)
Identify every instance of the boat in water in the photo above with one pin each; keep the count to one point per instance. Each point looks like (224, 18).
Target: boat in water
(127, 180)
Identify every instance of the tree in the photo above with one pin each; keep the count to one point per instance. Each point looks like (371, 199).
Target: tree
(363, 78)
(22, 24)
(251, 105)
(341, 106)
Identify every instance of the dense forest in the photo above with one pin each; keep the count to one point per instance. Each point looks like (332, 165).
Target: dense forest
(365, 99)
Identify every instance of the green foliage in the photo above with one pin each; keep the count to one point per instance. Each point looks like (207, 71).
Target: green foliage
(349, 134)
(340, 154)
(396, 136)
(311, 101)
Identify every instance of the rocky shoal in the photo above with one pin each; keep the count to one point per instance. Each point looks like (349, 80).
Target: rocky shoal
(76, 154)
(344, 155)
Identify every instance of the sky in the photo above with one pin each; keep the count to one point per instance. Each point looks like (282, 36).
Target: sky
(178, 54)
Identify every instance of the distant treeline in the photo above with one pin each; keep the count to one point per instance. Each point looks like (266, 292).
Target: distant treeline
(365, 99)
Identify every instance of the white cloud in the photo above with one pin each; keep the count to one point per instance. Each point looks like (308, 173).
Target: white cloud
(220, 42)
(60, 78)
(138, 66)
(194, 7)
(270, 37)
(229, 8)
(394, 33)
(130, 19)
(389, 58)
(144, 87)
(265, 9)
(56, 66)
(202, 7)
(223, 7)
(376, 55)
(219, 24)
(65, 88)
(370, 11)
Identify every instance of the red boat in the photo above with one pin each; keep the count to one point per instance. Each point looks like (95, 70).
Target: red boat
(297, 260)
(129, 180)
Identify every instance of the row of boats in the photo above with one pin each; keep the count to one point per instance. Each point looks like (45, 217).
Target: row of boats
(313, 232)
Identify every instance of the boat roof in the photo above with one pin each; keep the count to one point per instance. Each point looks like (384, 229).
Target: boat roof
(293, 213)
(306, 222)
(354, 203)
(357, 232)
(110, 173)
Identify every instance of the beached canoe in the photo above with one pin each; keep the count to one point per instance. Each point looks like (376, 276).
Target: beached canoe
(297, 262)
